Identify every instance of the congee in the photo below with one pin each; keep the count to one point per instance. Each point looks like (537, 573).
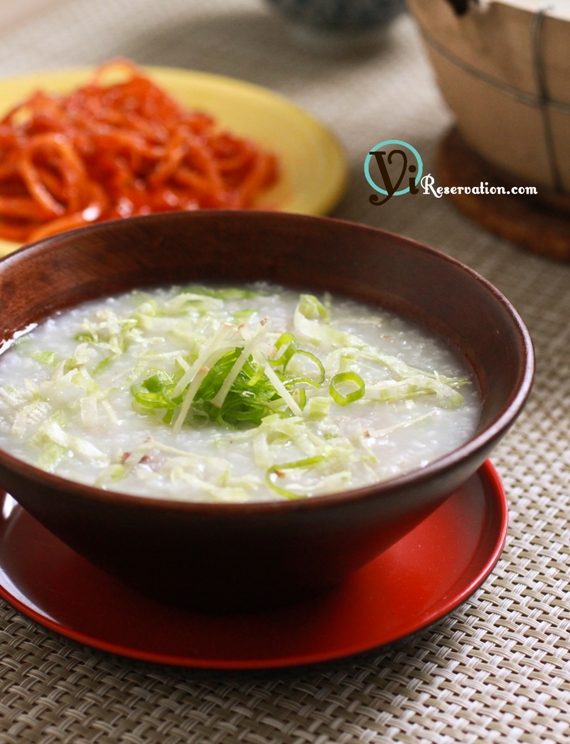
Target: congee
(231, 394)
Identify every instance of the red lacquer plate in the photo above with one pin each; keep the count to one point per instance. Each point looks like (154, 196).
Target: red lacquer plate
(416, 582)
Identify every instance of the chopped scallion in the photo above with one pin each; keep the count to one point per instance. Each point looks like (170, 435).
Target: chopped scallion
(288, 341)
(277, 470)
(350, 397)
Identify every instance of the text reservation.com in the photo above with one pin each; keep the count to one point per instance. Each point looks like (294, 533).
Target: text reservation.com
(428, 182)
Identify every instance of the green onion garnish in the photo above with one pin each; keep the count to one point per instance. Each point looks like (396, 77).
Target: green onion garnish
(276, 470)
(317, 362)
(300, 396)
(347, 398)
(288, 341)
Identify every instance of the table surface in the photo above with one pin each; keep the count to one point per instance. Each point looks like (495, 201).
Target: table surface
(495, 670)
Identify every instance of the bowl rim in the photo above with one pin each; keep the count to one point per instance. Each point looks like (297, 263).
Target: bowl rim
(433, 470)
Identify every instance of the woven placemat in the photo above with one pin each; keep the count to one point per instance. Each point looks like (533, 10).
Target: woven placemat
(495, 670)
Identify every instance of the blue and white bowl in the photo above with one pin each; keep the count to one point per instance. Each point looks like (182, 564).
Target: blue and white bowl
(339, 15)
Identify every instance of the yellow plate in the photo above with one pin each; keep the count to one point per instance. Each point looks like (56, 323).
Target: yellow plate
(313, 164)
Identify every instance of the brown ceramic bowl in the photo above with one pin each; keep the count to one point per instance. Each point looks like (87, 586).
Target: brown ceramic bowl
(247, 556)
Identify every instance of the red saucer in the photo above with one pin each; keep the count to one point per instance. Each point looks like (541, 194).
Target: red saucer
(419, 580)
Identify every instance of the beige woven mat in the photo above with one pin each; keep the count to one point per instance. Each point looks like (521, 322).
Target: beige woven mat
(498, 668)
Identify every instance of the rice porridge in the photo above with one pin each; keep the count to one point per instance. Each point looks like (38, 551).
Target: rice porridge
(231, 395)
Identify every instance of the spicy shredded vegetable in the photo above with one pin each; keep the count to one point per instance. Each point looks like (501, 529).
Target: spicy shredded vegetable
(115, 150)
